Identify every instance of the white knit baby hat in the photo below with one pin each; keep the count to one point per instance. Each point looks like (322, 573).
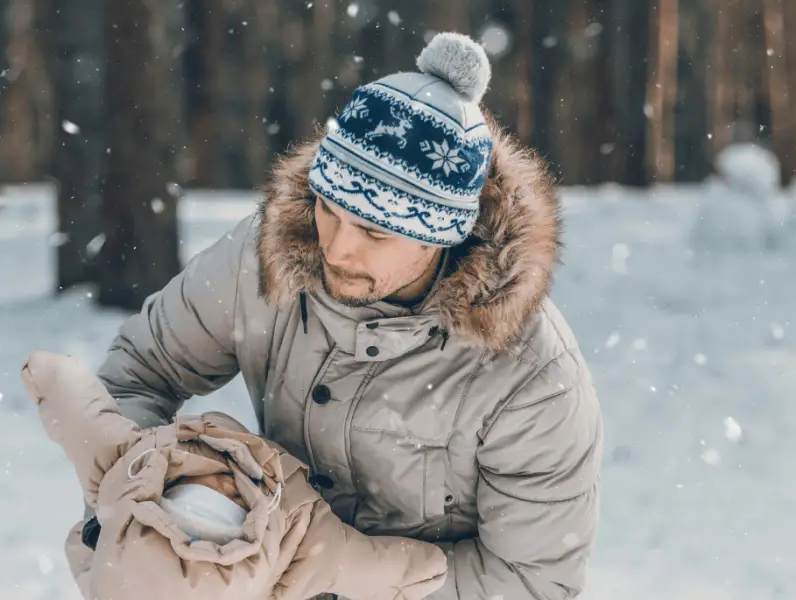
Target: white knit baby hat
(411, 151)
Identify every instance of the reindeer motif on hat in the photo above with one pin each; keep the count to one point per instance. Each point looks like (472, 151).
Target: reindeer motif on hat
(397, 130)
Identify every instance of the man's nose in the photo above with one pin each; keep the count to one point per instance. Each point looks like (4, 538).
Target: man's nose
(342, 246)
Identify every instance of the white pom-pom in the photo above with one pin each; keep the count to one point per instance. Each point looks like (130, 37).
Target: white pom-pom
(459, 60)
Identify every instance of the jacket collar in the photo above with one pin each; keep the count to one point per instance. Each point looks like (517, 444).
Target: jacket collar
(495, 280)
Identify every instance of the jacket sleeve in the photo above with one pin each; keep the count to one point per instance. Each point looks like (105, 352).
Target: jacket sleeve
(182, 343)
(537, 495)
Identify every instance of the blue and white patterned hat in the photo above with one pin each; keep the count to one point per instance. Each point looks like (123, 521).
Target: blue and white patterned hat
(410, 152)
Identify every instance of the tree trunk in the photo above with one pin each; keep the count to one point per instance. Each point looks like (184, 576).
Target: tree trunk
(662, 90)
(5, 174)
(205, 22)
(549, 35)
(720, 81)
(692, 147)
(139, 208)
(17, 121)
(628, 49)
(781, 99)
(70, 35)
(258, 43)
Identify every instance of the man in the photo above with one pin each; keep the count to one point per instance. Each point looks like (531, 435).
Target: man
(387, 308)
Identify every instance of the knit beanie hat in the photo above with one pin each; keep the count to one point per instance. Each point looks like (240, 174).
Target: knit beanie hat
(410, 152)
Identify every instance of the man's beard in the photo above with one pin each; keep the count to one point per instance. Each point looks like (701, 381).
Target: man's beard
(351, 301)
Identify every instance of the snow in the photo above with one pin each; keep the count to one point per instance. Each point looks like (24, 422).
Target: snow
(682, 300)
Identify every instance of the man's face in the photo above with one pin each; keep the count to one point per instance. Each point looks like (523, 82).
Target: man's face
(361, 263)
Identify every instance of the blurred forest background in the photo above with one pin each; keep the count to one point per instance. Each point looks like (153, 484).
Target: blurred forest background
(125, 103)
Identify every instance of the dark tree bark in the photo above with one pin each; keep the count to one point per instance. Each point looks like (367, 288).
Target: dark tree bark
(70, 36)
(139, 212)
(205, 22)
(628, 50)
(258, 44)
(692, 121)
(781, 98)
(662, 87)
(17, 107)
(549, 35)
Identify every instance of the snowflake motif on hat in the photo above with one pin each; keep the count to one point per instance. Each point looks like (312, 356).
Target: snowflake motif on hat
(355, 109)
(445, 157)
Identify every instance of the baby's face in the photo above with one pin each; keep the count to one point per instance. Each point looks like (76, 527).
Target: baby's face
(223, 483)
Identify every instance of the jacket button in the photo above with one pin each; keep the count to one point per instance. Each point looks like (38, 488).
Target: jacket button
(372, 325)
(321, 394)
(372, 351)
(321, 481)
(448, 499)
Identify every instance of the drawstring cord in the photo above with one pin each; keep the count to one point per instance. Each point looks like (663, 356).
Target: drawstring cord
(303, 307)
(445, 336)
(272, 506)
(135, 462)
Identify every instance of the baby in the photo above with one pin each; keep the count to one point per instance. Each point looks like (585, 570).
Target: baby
(202, 508)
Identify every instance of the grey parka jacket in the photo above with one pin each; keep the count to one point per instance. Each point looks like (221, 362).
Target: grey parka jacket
(471, 422)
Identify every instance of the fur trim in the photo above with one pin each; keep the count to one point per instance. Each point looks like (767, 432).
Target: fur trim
(496, 280)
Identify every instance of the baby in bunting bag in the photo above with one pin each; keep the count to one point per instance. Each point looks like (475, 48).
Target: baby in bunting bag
(202, 508)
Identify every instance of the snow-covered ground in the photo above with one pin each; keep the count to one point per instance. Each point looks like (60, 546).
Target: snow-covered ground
(682, 298)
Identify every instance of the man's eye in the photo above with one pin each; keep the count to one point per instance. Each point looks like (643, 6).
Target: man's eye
(376, 237)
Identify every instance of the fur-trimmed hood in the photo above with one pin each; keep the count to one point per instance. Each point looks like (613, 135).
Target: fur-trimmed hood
(496, 279)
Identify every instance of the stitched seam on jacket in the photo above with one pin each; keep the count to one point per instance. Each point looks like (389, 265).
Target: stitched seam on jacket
(526, 387)
(527, 346)
(237, 292)
(348, 426)
(403, 435)
(590, 490)
(465, 391)
(308, 406)
(425, 481)
(183, 348)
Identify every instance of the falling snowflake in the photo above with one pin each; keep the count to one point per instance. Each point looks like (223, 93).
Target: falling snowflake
(700, 359)
(732, 430)
(394, 17)
(174, 189)
(619, 256)
(711, 456)
(45, 564)
(69, 127)
(571, 540)
(444, 157)
(612, 340)
(353, 10)
(95, 245)
(496, 39)
(550, 41)
(355, 109)
(59, 238)
(157, 205)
